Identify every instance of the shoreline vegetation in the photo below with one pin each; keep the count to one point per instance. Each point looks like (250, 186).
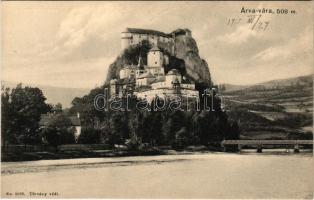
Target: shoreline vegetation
(79, 151)
(28, 153)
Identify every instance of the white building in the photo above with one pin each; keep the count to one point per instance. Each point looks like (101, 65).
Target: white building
(169, 86)
(127, 71)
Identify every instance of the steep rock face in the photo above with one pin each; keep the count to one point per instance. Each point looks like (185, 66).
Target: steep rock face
(196, 69)
(115, 67)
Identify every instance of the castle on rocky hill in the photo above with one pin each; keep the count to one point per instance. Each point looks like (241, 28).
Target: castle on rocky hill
(149, 81)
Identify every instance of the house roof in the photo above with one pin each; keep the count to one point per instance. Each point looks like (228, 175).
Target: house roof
(45, 118)
(75, 120)
(145, 31)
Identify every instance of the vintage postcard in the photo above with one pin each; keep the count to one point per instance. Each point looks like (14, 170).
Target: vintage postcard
(157, 99)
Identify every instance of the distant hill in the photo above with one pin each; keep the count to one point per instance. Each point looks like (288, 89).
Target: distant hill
(231, 87)
(53, 94)
(301, 80)
(278, 83)
(277, 109)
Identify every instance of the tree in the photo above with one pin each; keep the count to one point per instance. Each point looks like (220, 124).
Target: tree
(156, 128)
(89, 116)
(22, 109)
(234, 132)
(174, 122)
(57, 108)
(59, 130)
(181, 138)
(119, 130)
(6, 118)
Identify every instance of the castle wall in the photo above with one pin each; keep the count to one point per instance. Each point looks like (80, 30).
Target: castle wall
(170, 79)
(159, 85)
(188, 86)
(156, 71)
(149, 95)
(144, 81)
(165, 42)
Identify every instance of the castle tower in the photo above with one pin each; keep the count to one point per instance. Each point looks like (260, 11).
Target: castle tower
(126, 38)
(155, 57)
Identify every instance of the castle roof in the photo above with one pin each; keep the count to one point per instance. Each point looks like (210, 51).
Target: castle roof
(173, 72)
(129, 67)
(145, 31)
(181, 31)
(155, 48)
(159, 79)
(112, 81)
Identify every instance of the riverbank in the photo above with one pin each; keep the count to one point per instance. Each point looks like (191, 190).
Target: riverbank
(31, 153)
(55, 155)
(71, 153)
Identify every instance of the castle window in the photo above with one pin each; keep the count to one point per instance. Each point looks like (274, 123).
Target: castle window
(155, 62)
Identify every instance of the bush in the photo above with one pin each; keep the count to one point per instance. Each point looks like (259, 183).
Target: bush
(89, 136)
(133, 144)
(59, 130)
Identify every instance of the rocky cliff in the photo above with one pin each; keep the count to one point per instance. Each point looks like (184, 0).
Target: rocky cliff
(186, 54)
(196, 68)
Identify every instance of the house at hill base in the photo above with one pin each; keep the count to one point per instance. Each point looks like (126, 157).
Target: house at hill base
(74, 121)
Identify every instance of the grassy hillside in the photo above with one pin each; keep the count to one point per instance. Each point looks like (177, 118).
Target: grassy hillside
(274, 109)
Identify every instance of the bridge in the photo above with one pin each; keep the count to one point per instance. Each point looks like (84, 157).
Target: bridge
(296, 144)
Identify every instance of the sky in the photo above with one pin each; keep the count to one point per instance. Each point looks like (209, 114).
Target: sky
(71, 44)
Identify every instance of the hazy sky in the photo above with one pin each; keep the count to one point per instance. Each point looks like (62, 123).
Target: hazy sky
(71, 44)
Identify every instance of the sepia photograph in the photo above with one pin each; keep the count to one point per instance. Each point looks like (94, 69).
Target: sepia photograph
(157, 99)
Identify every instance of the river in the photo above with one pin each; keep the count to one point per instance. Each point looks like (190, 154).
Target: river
(206, 175)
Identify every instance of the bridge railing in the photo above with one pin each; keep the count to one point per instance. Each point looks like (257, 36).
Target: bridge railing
(261, 142)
